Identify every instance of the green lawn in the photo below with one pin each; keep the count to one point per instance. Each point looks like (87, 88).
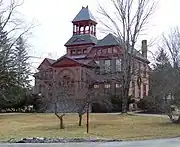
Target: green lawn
(114, 126)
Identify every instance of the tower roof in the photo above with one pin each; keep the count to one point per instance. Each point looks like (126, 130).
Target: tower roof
(84, 14)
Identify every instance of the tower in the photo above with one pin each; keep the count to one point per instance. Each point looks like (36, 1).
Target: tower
(84, 33)
(84, 23)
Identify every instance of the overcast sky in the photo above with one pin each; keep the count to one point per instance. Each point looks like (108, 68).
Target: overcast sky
(55, 28)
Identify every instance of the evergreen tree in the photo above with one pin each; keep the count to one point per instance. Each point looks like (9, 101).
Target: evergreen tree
(22, 64)
(161, 75)
(7, 71)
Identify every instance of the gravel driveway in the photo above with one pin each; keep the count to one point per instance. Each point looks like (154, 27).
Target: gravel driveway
(175, 142)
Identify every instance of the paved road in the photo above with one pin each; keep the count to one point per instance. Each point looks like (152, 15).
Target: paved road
(175, 142)
(155, 115)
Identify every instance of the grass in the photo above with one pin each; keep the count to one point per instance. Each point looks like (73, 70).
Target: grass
(111, 126)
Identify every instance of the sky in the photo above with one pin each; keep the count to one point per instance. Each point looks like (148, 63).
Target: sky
(54, 27)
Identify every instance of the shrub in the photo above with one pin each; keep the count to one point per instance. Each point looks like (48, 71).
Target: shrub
(151, 105)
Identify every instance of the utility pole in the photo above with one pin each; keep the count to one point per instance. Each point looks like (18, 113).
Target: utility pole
(87, 119)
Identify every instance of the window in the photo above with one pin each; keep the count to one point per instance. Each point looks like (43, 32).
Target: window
(66, 81)
(97, 62)
(107, 65)
(79, 51)
(50, 93)
(96, 86)
(109, 50)
(87, 29)
(73, 52)
(133, 88)
(139, 67)
(118, 85)
(97, 70)
(144, 70)
(115, 50)
(144, 90)
(107, 86)
(84, 51)
(118, 65)
(40, 88)
(98, 52)
(104, 51)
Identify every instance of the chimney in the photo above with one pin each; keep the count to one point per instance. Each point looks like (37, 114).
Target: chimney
(144, 48)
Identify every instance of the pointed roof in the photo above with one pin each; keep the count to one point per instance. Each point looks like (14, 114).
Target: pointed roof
(84, 14)
(49, 62)
(108, 40)
(80, 62)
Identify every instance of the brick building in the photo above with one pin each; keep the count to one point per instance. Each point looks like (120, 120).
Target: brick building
(88, 59)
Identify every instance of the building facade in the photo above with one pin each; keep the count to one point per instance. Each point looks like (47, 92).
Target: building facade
(90, 65)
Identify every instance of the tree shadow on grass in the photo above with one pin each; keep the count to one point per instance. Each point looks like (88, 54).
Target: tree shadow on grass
(68, 127)
(169, 123)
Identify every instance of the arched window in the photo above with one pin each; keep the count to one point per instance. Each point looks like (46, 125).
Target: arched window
(66, 80)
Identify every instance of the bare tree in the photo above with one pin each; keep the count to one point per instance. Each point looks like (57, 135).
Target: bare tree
(61, 92)
(171, 43)
(91, 95)
(129, 20)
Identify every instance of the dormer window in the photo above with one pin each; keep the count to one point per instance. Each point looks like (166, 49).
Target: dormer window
(79, 51)
(84, 51)
(73, 52)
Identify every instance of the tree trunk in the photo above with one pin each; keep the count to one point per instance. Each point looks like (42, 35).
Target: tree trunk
(61, 123)
(125, 100)
(80, 119)
(60, 120)
(125, 90)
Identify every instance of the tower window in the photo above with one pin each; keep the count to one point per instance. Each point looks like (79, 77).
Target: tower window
(86, 29)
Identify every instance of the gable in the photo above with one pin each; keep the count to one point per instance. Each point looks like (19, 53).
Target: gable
(44, 64)
(109, 40)
(66, 62)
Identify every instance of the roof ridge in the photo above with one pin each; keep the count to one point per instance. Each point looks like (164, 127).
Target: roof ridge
(84, 14)
(49, 58)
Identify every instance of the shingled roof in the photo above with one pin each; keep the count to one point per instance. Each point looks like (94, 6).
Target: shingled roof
(108, 41)
(111, 40)
(84, 14)
(81, 39)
